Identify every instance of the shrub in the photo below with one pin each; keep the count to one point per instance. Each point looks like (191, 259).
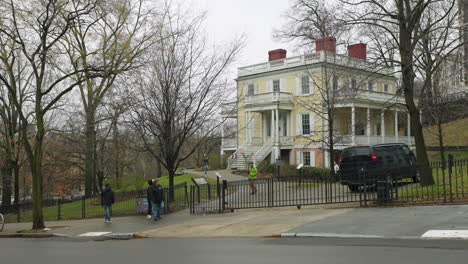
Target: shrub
(291, 171)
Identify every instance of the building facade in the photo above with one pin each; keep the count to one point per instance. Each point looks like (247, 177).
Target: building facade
(283, 106)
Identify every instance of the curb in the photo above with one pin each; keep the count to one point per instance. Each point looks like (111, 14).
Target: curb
(119, 236)
(27, 235)
(333, 235)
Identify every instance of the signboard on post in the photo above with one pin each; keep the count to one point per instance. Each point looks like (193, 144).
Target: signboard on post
(199, 181)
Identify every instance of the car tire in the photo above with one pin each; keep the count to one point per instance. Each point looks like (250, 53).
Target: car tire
(353, 188)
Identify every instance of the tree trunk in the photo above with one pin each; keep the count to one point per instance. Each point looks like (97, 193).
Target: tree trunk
(331, 142)
(89, 151)
(408, 76)
(171, 185)
(158, 169)
(464, 35)
(36, 171)
(16, 185)
(6, 173)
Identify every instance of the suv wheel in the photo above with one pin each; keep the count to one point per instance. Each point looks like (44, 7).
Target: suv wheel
(353, 188)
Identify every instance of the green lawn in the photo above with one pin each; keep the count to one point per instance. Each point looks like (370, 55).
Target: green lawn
(123, 205)
(459, 184)
(455, 133)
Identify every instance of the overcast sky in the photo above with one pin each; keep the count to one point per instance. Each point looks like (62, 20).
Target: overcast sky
(254, 18)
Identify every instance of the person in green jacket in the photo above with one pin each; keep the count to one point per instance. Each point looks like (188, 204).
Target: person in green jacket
(253, 177)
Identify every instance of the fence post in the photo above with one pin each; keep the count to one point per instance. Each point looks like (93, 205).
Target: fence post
(186, 193)
(59, 209)
(18, 212)
(223, 194)
(83, 207)
(450, 165)
(192, 199)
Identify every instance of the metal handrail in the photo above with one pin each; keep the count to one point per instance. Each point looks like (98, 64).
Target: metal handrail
(267, 144)
(234, 155)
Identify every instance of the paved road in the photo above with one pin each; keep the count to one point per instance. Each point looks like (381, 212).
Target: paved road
(392, 222)
(206, 251)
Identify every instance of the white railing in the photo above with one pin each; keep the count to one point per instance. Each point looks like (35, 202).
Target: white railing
(372, 140)
(234, 155)
(229, 143)
(321, 56)
(262, 152)
(267, 98)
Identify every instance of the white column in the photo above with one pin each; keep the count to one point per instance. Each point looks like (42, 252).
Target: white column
(353, 125)
(409, 129)
(382, 125)
(272, 126)
(396, 126)
(272, 137)
(277, 127)
(368, 126)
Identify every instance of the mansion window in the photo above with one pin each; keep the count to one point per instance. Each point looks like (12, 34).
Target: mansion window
(276, 86)
(305, 85)
(251, 90)
(306, 158)
(305, 124)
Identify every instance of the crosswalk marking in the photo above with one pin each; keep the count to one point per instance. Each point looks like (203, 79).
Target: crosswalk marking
(446, 234)
(94, 234)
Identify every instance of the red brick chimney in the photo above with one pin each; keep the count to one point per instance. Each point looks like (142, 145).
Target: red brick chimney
(358, 51)
(276, 54)
(328, 44)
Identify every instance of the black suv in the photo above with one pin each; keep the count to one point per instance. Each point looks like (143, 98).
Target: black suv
(365, 165)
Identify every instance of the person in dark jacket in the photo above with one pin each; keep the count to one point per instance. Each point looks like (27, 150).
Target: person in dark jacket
(157, 198)
(107, 199)
(148, 198)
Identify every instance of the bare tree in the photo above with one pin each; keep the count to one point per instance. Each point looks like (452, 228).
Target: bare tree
(435, 53)
(180, 90)
(12, 66)
(115, 37)
(38, 28)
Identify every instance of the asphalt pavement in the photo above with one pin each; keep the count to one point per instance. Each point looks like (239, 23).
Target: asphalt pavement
(390, 222)
(235, 251)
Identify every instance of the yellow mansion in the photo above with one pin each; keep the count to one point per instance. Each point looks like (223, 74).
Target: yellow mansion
(283, 107)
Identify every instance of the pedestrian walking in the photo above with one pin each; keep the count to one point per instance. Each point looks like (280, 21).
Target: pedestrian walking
(157, 198)
(148, 198)
(253, 173)
(205, 163)
(107, 199)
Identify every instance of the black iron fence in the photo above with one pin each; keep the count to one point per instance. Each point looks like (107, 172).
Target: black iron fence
(126, 203)
(362, 184)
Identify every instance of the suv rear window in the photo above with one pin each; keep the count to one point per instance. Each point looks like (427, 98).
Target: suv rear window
(355, 154)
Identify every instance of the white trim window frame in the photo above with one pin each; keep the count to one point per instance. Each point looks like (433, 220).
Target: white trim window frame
(306, 158)
(251, 89)
(386, 88)
(305, 85)
(305, 124)
(276, 87)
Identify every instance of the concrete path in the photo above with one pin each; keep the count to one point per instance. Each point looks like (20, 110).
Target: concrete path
(226, 175)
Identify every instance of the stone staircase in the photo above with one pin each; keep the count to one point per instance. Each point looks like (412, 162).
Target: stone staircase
(245, 154)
